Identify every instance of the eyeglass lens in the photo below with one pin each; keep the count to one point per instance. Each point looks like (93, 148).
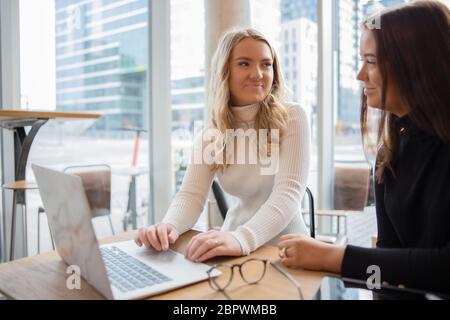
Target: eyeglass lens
(252, 271)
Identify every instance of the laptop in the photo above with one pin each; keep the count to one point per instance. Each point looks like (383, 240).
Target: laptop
(120, 270)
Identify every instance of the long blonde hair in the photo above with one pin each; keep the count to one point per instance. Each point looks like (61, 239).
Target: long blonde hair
(272, 113)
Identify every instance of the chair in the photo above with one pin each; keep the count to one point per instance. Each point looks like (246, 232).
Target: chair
(41, 210)
(18, 188)
(312, 220)
(352, 184)
(96, 180)
(220, 199)
(222, 204)
(335, 238)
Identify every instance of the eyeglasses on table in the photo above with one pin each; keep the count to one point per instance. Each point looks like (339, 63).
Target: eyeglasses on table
(252, 271)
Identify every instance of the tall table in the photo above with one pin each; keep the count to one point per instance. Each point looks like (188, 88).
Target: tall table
(16, 120)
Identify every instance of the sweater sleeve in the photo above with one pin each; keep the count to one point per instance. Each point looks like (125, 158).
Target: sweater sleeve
(387, 237)
(188, 203)
(289, 186)
(415, 268)
(421, 268)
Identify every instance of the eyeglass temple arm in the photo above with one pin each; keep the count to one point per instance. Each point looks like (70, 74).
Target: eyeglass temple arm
(225, 294)
(289, 277)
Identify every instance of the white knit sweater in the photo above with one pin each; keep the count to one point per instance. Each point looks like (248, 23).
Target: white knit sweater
(266, 206)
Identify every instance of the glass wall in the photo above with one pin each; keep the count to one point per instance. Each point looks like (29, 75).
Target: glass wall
(292, 26)
(187, 79)
(353, 178)
(92, 56)
(299, 50)
(88, 56)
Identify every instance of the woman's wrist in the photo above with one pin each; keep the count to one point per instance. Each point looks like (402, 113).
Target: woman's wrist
(334, 257)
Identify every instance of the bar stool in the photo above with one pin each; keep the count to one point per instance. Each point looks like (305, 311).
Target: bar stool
(96, 179)
(41, 210)
(18, 188)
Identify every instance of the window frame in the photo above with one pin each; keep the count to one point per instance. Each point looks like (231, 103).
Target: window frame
(159, 94)
(9, 97)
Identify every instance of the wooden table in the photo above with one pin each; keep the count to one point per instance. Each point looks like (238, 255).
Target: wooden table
(44, 277)
(17, 120)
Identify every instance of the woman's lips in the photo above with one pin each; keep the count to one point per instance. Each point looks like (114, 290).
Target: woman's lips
(255, 87)
(368, 91)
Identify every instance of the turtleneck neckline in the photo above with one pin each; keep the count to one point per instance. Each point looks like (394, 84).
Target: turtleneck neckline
(403, 122)
(246, 113)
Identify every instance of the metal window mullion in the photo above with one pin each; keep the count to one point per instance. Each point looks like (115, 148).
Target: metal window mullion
(326, 101)
(159, 110)
(9, 97)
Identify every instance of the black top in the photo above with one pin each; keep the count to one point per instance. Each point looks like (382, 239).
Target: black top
(413, 217)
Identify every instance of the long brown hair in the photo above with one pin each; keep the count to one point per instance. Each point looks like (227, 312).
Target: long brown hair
(413, 50)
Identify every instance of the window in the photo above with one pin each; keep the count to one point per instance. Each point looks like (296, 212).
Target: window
(187, 80)
(87, 56)
(297, 18)
(349, 154)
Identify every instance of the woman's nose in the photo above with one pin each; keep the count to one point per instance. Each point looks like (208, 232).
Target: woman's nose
(361, 75)
(256, 73)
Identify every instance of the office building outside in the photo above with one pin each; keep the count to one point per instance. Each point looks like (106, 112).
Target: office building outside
(299, 60)
(102, 56)
(351, 13)
(299, 52)
(102, 60)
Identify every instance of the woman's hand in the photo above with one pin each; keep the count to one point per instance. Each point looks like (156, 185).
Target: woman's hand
(300, 251)
(157, 236)
(211, 244)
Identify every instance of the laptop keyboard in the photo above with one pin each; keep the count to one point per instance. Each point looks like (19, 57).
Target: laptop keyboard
(127, 273)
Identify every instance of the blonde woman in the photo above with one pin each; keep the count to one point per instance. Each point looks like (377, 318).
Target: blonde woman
(246, 92)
